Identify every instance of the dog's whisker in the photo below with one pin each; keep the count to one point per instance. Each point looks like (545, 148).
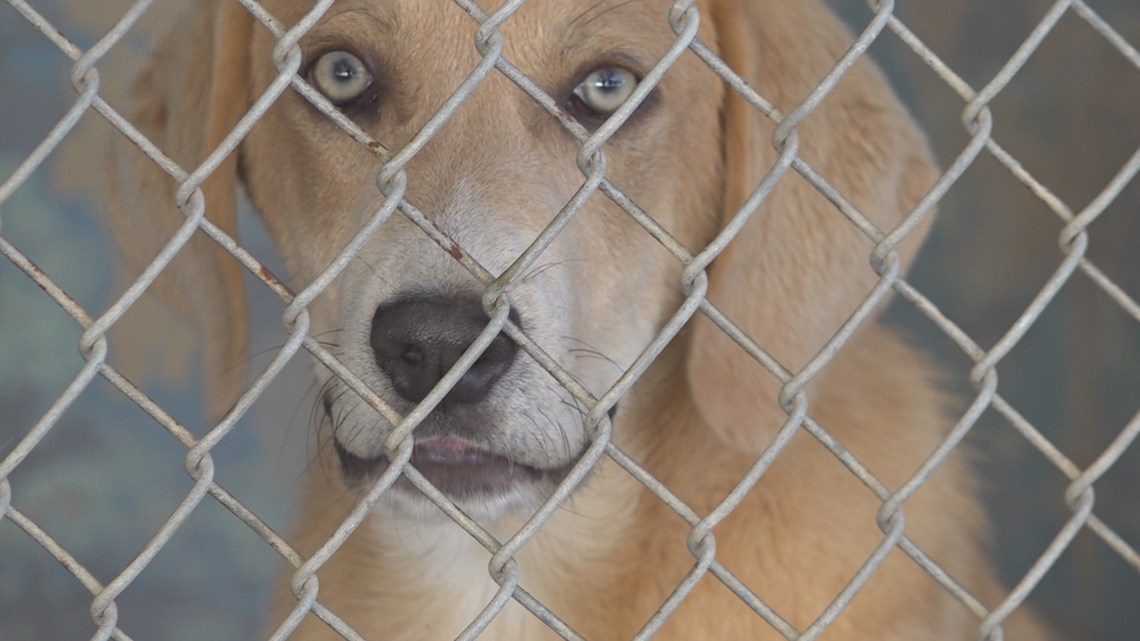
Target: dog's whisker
(543, 441)
(542, 268)
(276, 348)
(375, 272)
(589, 350)
(557, 429)
(327, 332)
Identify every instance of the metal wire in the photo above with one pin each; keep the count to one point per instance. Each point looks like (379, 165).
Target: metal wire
(684, 19)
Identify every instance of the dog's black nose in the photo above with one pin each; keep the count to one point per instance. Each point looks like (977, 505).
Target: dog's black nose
(417, 340)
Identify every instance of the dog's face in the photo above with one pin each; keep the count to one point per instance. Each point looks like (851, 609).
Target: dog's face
(491, 180)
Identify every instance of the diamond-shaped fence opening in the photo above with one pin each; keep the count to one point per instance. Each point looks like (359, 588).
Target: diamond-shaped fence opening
(1048, 384)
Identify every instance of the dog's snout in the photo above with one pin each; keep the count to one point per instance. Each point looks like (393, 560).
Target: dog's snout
(417, 340)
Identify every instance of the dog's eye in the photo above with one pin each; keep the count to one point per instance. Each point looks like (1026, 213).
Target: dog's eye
(341, 77)
(605, 89)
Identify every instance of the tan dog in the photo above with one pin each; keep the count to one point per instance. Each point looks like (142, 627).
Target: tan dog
(491, 179)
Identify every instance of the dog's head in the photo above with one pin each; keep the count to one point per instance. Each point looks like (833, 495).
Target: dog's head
(491, 179)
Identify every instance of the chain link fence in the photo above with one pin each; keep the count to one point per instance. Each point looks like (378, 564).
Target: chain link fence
(883, 23)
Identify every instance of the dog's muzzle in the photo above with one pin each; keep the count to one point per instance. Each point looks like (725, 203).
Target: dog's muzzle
(416, 340)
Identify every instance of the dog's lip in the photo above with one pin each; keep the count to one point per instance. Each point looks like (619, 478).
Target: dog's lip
(457, 467)
(449, 450)
(440, 450)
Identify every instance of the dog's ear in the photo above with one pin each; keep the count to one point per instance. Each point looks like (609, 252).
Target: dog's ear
(798, 268)
(187, 98)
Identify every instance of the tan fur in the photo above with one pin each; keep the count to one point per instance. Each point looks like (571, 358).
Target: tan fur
(491, 179)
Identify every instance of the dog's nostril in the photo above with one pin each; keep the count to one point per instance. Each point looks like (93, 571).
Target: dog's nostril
(413, 355)
(417, 340)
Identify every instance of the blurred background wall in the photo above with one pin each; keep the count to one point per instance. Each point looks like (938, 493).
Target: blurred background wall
(106, 477)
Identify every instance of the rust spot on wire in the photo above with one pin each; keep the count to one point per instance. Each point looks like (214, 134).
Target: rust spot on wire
(271, 279)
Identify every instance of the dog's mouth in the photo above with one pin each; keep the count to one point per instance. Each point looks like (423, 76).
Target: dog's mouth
(458, 468)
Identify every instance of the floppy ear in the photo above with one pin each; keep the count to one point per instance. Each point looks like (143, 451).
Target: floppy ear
(190, 94)
(798, 268)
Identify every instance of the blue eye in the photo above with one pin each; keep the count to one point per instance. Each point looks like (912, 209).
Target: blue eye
(605, 89)
(340, 76)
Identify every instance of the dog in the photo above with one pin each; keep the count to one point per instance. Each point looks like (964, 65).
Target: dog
(500, 442)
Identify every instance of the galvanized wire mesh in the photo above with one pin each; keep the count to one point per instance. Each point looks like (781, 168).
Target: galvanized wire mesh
(683, 18)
